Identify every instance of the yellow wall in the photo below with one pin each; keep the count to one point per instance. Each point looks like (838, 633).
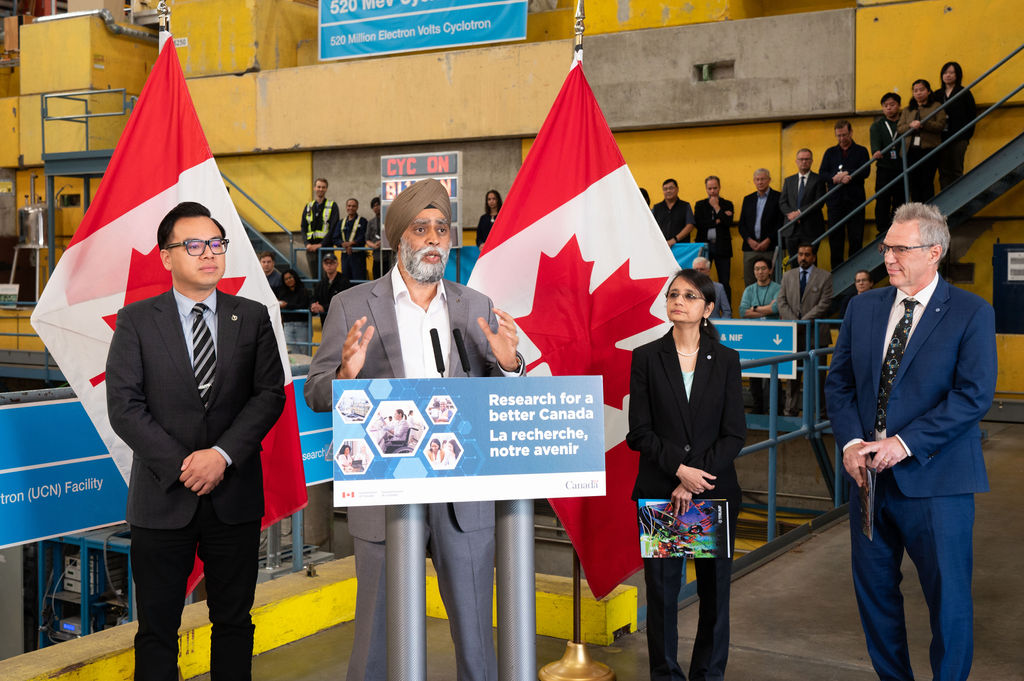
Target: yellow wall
(280, 182)
(9, 133)
(976, 34)
(10, 81)
(233, 36)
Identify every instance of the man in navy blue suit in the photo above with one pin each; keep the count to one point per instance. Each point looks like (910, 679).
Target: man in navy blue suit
(913, 373)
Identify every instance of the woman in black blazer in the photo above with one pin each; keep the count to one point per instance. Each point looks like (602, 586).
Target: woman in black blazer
(686, 420)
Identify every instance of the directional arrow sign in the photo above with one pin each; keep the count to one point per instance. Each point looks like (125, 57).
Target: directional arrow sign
(758, 339)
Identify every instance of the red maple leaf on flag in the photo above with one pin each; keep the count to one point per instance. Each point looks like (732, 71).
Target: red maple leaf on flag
(577, 331)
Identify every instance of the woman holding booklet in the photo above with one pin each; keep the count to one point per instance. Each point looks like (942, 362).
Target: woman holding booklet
(686, 419)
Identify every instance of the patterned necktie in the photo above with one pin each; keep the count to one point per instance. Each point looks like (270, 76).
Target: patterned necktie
(803, 283)
(891, 365)
(800, 193)
(203, 353)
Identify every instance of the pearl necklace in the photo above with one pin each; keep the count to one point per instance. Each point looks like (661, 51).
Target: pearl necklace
(688, 354)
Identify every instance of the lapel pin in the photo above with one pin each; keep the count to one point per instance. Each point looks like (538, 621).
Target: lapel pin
(234, 318)
(709, 356)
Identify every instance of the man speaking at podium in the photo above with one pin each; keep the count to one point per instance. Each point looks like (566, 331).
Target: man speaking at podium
(381, 329)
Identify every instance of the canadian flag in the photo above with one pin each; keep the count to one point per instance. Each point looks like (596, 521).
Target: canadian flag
(577, 258)
(161, 160)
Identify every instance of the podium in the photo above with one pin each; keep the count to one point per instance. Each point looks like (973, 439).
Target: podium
(404, 443)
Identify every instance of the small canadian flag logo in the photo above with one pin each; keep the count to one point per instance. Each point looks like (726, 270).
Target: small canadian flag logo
(348, 495)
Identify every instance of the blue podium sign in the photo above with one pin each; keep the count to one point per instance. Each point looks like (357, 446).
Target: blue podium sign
(56, 476)
(758, 339)
(405, 441)
(360, 28)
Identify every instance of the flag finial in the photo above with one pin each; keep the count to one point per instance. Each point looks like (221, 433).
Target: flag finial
(580, 16)
(163, 12)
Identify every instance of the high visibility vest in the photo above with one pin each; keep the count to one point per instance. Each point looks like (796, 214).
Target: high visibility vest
(324, 226)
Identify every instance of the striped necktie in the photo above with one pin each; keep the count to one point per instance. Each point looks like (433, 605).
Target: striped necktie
(204, 355)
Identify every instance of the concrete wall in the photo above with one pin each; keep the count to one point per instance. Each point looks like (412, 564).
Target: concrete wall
(769, 68)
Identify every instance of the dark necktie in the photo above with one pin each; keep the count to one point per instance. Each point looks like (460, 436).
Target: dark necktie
(204, 355)
(891, 364)
(800, 193)
(803, 283)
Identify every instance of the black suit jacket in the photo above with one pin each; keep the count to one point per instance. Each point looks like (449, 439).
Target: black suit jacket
(857, 162)
(706, 430)
(811, 224)
(705, 217)
(154, 406)
(771, 219)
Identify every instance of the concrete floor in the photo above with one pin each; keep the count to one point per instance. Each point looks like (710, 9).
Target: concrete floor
(793, 618)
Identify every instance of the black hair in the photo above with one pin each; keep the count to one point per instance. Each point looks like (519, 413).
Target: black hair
(957, 70)
(706, 287)
(807, 244)
(913, 100)
(375, 201)
(670, 180)
(295, 275)
(762, 258)
(647, 197)
(497, 195)
(890, 95)
(185, 209)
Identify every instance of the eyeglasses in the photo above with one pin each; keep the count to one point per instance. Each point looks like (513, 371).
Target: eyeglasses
(690, 296)
(898, 251)
(196, 247)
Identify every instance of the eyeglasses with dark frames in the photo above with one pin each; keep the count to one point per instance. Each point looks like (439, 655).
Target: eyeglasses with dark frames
(196, 247)
(898, 250)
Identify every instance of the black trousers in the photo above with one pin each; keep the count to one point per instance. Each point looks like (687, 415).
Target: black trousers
(161, 563)
(889, 200)
(851, 231)
(664, 578)
(922, 180)
(723, 267)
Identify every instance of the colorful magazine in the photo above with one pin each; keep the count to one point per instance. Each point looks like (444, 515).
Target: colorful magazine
(701, 532)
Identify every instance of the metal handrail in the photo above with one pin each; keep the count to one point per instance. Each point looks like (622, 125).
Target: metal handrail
(790, 225)
(291, 236)
(80, 96)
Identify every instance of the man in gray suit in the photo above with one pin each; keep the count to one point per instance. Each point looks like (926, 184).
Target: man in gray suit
(380, 329)
(806, 293)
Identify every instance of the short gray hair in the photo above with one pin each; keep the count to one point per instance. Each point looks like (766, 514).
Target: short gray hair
(763, 170)
(931, 223)
(700, 261)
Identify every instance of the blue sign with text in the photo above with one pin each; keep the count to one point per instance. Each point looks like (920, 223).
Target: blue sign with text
(360, 28)
(467, 439)
(56, 476)
(758, 339)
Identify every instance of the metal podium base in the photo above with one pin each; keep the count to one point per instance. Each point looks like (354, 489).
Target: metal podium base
(576, 665)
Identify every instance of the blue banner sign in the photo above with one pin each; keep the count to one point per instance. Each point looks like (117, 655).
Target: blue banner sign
(405, 441)
(758, 339)
(360, 28)
(56, 476)
(315, 435)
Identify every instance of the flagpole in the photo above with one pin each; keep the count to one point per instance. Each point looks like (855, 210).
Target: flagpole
(576, 664)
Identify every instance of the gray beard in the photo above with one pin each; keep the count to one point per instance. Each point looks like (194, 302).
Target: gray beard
(419, 270)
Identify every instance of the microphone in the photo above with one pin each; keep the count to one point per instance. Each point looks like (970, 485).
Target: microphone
(435, 340)
(461, 347)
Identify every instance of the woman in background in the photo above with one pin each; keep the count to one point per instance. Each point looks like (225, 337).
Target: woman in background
(924, 136)
(686, 420)
(294, 299)
(492, 205)
(958, 115)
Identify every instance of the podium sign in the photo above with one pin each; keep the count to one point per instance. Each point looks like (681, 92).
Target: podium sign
(415, 441)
